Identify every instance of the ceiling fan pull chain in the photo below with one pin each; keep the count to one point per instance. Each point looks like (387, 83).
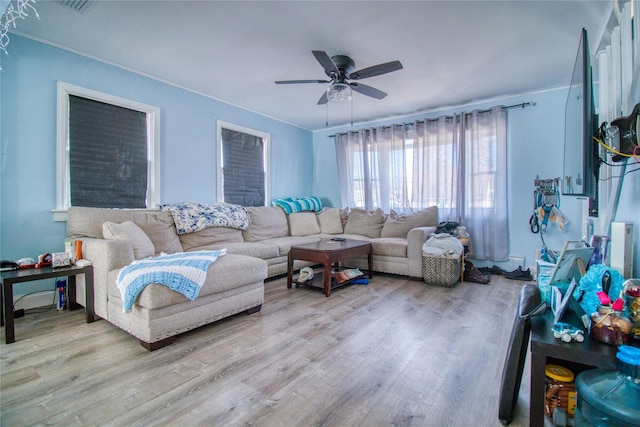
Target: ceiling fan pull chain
(326, 120)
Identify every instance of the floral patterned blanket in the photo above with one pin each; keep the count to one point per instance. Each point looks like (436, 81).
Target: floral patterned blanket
(192, 217)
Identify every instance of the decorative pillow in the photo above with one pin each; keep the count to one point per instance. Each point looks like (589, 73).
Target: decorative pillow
(344, 216)
(129, 233)
(161, 230)
(303, 224)
(267, 222)
(365, 223)
(399, 225)
(329, 221)
(298, 204)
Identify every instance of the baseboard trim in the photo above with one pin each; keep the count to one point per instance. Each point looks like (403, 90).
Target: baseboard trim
(511, 264)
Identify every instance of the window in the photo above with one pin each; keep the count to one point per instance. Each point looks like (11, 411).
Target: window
(457, 163)
(108, 150)
(243, 174)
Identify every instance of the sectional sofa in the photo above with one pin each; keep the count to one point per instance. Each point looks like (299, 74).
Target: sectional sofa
(257, 250)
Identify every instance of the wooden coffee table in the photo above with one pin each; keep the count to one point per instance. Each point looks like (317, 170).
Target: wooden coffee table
(328, 253)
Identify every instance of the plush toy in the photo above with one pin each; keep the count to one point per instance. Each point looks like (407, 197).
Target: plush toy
(591, 283)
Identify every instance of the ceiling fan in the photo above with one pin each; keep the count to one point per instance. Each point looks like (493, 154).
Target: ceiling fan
(340, 70)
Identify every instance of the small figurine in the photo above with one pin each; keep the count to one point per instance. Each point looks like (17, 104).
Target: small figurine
(567, 332)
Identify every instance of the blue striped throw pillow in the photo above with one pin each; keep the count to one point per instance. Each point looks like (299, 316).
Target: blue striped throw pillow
(298, 204)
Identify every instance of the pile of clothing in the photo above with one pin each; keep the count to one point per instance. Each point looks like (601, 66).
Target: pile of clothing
(442, 245)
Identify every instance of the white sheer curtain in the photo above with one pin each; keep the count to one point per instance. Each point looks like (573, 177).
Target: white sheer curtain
(457, 163)
(484, 193)
(373, 168)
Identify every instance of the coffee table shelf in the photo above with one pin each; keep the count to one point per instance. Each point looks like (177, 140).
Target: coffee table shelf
(318, 281)
(328, 253)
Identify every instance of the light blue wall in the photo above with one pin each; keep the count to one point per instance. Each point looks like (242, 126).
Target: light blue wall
(302, 163)
(188, 133)
(535, 147)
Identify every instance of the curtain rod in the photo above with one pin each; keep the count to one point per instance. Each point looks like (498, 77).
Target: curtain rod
(508, 107)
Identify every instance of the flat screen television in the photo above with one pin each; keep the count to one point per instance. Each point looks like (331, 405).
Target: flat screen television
(581, 160)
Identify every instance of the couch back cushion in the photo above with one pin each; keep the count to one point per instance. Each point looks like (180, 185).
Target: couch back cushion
(364, 222)
(157, 225)
(130, 233)
(267, 222)
(209, 236)
(399, 225)
(303, 224)
(161, 230)
(329, 221)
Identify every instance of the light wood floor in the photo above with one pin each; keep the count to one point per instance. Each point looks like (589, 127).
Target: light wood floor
(395, 352)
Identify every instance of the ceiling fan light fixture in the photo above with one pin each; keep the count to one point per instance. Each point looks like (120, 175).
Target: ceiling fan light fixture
(339, 92)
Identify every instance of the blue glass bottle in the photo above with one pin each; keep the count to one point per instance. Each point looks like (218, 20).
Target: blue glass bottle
(610, 398)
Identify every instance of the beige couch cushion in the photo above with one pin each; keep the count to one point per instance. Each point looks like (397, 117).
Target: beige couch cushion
(157, 225)
(161, 230)
(303, 223)
(399, 225)
(87, 222)
(329, 221)
(390, 246)
(364, 222)
(266, 222)
(254, 249)
(130, 233)
(209, 236)
(227, 272)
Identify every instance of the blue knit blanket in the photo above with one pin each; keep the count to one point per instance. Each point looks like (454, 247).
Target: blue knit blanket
(183, 272)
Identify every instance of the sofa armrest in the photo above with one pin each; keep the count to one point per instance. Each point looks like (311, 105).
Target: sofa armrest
(105, 256)
(415, 239)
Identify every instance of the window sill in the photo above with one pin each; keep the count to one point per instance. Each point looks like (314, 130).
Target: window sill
(59, 215)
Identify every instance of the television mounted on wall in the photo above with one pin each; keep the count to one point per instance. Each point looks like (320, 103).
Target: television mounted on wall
(581, 160)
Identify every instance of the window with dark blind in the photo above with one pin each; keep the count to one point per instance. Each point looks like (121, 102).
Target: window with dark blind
(108, 151)
(243, 168)
(107, 155)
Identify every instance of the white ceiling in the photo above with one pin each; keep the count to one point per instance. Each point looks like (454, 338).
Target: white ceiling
(453, 52)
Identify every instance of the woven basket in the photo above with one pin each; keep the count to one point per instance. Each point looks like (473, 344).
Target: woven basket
(440, 271)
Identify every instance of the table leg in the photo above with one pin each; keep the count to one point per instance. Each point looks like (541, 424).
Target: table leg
(88, 290)
(289, 269)
(327, 278)
(536, 400)
(370, 262)
(71, 293)
(9, 332)
(1, 305)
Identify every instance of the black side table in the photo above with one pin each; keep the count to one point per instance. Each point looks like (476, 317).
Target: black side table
(590, 353)
(9, 278)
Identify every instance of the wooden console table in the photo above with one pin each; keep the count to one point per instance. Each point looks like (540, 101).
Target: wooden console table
(10, 278)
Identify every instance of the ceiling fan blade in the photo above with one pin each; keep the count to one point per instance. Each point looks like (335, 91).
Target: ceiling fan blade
(330, 67)
(288, 82)
(323, 99)
(376, 70)
(368, 90)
